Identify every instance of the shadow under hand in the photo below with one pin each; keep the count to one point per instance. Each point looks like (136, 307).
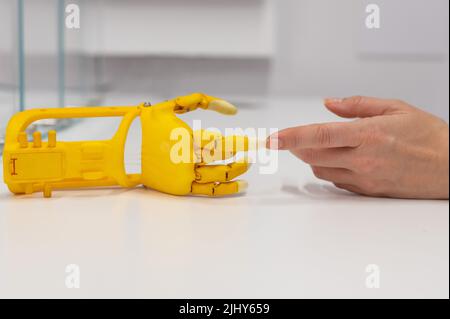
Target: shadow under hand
(314, 192)
(319, 192)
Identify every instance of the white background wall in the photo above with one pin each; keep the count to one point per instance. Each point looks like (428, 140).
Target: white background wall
(179, 27)
(319, 48)
(322, 48)
(319, 51)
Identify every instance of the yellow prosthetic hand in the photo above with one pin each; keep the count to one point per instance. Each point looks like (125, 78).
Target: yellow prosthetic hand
(175, 160)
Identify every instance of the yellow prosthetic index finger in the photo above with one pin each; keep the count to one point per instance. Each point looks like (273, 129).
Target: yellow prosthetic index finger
(219, 189)
(220, 173)
(235, 144)
(189, 103)
(212, 146)
(194, 101)
(210, 139)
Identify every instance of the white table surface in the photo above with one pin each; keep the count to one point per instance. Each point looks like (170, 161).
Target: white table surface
(290, 236)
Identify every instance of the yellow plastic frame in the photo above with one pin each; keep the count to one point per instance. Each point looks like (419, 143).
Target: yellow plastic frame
(43, 166)
(39, 166)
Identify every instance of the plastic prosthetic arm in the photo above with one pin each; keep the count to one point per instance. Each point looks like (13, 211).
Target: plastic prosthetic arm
(174, 161)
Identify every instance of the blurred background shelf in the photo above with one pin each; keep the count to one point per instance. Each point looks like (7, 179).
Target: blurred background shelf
(176, 28)
(195, 28)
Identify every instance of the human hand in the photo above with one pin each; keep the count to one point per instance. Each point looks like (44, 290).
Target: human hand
(392, 150)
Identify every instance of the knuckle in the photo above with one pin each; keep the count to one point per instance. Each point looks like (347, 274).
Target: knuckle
(357, 100)
(400, 105)
(389, 142)
(297, 140)
(323, 135)
(372, 135)
(398, 102)
(378, 137)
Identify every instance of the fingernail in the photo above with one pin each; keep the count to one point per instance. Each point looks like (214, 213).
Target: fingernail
(333, 101)
(275, 143)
